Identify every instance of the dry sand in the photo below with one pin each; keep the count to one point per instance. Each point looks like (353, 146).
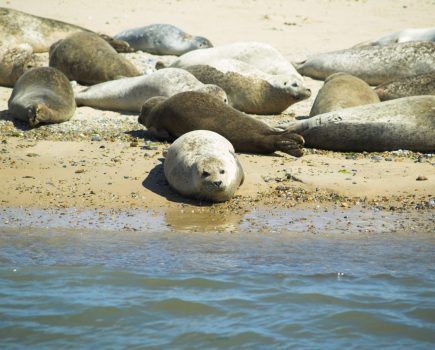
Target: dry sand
(50, 170)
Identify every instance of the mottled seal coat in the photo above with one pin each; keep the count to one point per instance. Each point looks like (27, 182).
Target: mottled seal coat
(340, 91)
(373, 64)
(129, 94)
(163, 39)
(262, 56)
(202, 164)
(88, 59)
(252, 94)
(405, 123)
(42, 95)
(423, 84)
(409, 34)
(14, 61)
(172, 117)
(18, 27)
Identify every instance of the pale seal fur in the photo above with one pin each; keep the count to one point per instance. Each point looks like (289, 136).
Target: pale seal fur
(14, 61)
(405, 123)
(163, 39)
(253, 94)
(260, 55)
(88, 59)
(129, 94)
(172, 117)
(202, 164)
(423, 84)
(409, 34)
(340, 91)
(373, 64)
(42, 95)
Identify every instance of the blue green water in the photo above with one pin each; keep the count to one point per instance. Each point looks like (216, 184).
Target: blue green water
(165, 288)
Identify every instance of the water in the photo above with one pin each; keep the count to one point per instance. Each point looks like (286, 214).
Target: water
(165, 288)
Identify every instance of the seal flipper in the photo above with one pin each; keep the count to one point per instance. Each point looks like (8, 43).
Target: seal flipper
(290, 143)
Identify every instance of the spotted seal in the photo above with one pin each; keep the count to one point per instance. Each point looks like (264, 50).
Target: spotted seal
(202, 164)
(423, 84)
(88, 59)
(172, 117)
(42, 95)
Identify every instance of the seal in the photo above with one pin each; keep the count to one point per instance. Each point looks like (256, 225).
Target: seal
(254, 94)
(88, 59)
(405, 123)
(163, 39)
(14, 61)
(169, 118)
(262, 56)
(373, 64)
(423, 84)
(202, 164)
(409, 34)
(129, 94)
(42, 95)
(340, 91)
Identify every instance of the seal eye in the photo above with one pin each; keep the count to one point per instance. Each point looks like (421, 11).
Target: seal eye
(205, 173)
(222, 172)
(285, 83)
(295, 85)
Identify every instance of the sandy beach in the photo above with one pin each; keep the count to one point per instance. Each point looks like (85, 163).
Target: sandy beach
(103, 159)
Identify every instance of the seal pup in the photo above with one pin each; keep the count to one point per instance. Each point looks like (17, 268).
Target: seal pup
(423, 84)
(262, 56)
(373, 64)
(88, 59)
(42, 95)
(253, 94)
(202, 164)
(405, 123)
(163, 39)
(169, 118)
(129, 94)
(409, 34)
(340, 91)
(14, 61)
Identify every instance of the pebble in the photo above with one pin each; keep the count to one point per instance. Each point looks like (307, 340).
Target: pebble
(421, 178)
(95, 137)
(376, 158)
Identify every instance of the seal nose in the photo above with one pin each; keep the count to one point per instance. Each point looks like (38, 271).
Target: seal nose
(217, 183)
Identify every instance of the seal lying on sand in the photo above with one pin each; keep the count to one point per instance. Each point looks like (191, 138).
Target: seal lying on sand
(14, 61)
(262, 56)
(409, 34)
(251, 94)
(42, 95)
(88, 59)
(340, 91)
(172, 117)
(423, 84)
(405, 123)
(373, 64)
(202, 164)
(129, 94)
(163, 39)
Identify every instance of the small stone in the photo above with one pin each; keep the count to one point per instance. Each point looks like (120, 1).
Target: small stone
(134, 143)
(376, 158)
(282, 188)
(421, 178)
(388, 159)
(344, 205)
(32, 155)
(79, 171)
(95, 137)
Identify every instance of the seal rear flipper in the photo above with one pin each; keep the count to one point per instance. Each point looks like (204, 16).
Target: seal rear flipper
(290, 143)
(40, 113)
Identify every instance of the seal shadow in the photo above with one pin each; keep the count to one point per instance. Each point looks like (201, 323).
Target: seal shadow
(156, 183)
(19, 124)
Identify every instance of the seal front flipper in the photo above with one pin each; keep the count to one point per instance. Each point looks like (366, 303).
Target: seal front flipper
(290, 143)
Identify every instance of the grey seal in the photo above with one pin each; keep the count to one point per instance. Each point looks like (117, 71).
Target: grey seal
(163, 39)
(401, 36)
(42, 95)
(202, 164)
(423, 84)
(405, 123)
(172, 117)
(340, 91)
(254, 95)
(129, 94)
(373, 64)
(88, 59)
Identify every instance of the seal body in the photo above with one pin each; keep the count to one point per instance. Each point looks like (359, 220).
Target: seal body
(129, 94)
(373, 64)
(262, 56)
(172, 117)
(202, 164)
(18, 27)
(163, 39)
(409, 34)
(14, 61)
(340, 91)
(257, 94)
(423, 84)
(88, 59)
(42, 95)
(405, 123)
